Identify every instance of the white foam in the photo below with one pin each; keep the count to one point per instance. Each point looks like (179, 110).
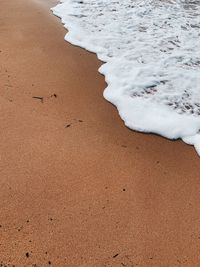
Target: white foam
(151, 51)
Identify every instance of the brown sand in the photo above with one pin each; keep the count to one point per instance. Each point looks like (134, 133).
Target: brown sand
(93, 193)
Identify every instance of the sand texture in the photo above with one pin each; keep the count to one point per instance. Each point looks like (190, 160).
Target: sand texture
(78, 188)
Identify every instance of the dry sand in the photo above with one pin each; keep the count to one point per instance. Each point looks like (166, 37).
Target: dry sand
(77, 188)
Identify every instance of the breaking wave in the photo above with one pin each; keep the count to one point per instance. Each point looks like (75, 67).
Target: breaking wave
(151, 51)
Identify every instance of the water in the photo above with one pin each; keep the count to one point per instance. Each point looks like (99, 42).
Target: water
(151, 51)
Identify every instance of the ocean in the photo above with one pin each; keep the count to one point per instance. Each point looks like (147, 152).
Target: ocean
(151, 59)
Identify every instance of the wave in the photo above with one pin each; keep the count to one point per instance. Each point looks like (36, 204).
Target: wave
(151, 55)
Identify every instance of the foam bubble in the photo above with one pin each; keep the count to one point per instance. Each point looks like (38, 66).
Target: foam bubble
(152, 60)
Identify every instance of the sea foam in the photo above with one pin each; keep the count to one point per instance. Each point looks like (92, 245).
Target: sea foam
(151, 55)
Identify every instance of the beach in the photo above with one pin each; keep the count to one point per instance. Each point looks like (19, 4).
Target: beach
(78, 188)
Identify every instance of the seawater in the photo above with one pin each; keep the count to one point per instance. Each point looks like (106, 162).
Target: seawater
(151, 55)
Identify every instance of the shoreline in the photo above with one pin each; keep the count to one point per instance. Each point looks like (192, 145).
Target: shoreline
(78, 188)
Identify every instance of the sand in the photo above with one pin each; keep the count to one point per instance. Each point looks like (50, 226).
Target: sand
(77, 188)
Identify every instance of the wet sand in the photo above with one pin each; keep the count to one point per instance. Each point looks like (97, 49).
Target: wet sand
(77, 188)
